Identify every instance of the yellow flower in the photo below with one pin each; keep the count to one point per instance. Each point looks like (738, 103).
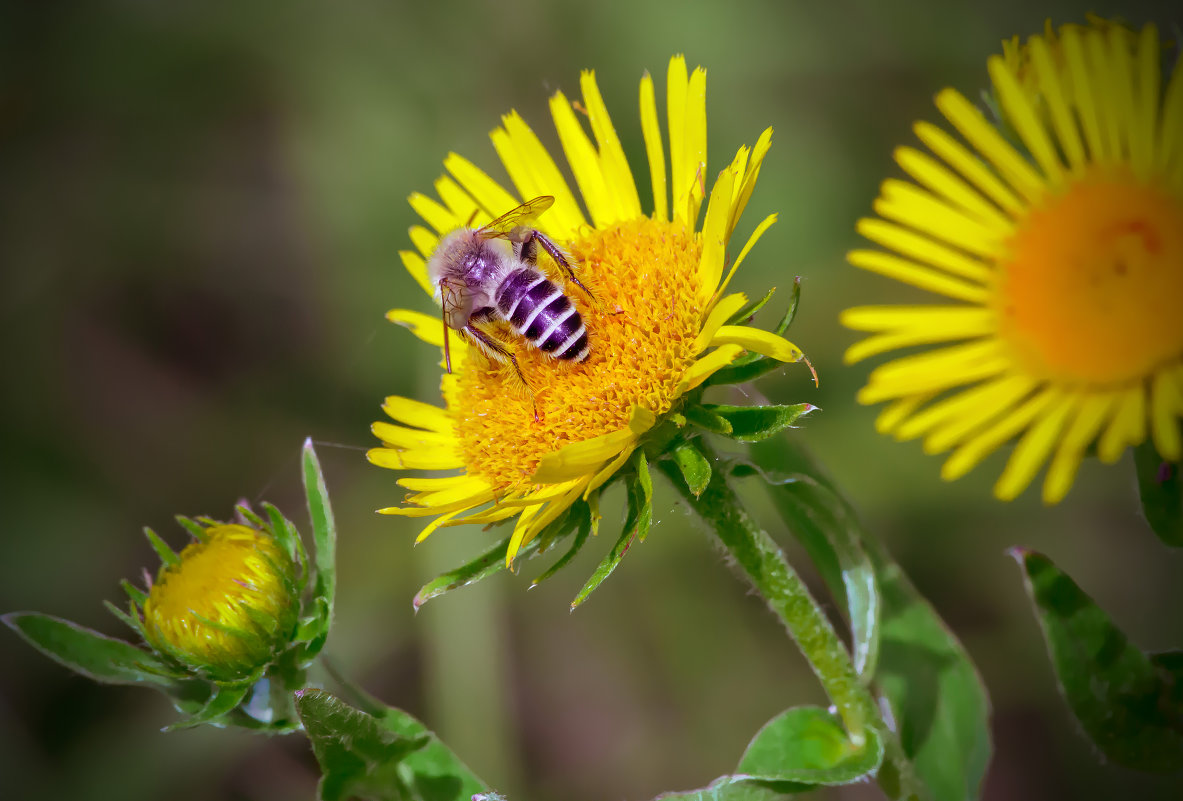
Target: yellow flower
(658, 322)
(226, 606)
(1064, 262)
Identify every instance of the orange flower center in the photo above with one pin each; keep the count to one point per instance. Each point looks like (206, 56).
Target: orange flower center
(1092, 288)
(641, 327)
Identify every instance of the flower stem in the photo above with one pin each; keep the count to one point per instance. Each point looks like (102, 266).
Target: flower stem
(765, 566)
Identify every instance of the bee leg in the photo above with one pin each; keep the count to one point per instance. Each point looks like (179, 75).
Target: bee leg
(498, 351)
(529, 254)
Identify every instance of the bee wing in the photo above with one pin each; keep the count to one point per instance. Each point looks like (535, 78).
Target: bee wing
(504, 225)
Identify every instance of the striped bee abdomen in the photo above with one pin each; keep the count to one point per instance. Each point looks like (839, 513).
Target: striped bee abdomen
(539, 311)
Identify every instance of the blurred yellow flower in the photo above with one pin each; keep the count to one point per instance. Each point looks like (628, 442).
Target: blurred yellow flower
(227, 606)
(1064, 261)
(657, 321)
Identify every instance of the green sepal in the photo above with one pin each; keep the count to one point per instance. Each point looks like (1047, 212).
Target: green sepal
(743, 370)
(819, 520)
(1160, 486)
(288, 538)
(196, 530)
(224, 700)
(790, 314)
(583, 530)
(1127, 704)
(636, 525)
(88, 653)
(137, 596)
(809, 746)
(490, 563)
(130, 618)
(937, 698)
(749, 311)
(706, 419)
(312, 630)
(358, 756)
(694, 467)
(755, 423)
(324, 529)
(168, 557)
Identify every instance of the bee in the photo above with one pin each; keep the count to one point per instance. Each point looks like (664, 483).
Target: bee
(490, 274)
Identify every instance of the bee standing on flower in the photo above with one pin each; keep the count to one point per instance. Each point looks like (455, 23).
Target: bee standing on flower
(490, 274)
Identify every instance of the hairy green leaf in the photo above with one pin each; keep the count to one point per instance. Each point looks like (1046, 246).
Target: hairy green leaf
(324, 530)
(755, 423)
(694, 467)
(637, 522)
(1127, 703)
(809, 745)
(88, 653)
(490, 563)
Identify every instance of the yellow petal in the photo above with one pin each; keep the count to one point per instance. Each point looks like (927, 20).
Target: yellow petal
(404, 438)
(705, 367)
(417, 267)
(718, 316)
(460, 203)
(714, 236)
(607, 472)
(681, 174)
(428, 328)
(583, 160)
(425, 242)
(580, 459)
(614, 166)
(419, 459)
(1032, 450)
(535, 173)
(1031, 129)
(924, 249)
(918, 276)
(440, 521)
(651, 131)
(491, 196)
(764, 225)
(986, 139)
(759, 341)
(961, 159)
(759, 150)
(435, 215)
(417, 413)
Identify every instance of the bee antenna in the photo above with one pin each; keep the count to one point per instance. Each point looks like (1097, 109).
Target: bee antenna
(472, 218)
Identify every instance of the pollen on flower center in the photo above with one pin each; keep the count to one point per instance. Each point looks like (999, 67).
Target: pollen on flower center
(1091, 289)
(642, 324)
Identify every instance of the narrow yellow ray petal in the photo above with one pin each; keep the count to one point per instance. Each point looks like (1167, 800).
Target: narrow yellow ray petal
(1048, 76)
(764, 225)
(986, 139)
(714, 236)
(553, 510)
(584, 161)
(1123, 98)
(957, 320)
(909, 204)
(924, 249)
(424, 241)
(489, 194)
(547, 492)
(1033, 449)
(434, 483)
(531, 157)
(895, 340)
(1102, 79)
(606, 472)
(677, 84)
(459, 202)
(465, 495)
(955, 407)
(941, 181)
(705, 367)
(1082, 93)
(435, 215)
(491, 514)
(696, 142)
(432, 459)
(719, 315)
(1023, 118)
(427, 327)
(1090, 416)
(520, 529)
(621, 185)
(991, 399)
(417, 413)
(651, 131)
(922, 277)
(898, 411)
(1145, 123)
(417, 267)
(935, 370)
(1170, 133)
(969, 454)
(1127, 418)
(439, 522)
(759, 151)
(758, 341)
(408, 438)
(1164, 427)
(581, 458)
(957, 156)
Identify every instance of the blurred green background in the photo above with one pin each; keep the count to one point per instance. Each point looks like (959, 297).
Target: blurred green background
(200, 213)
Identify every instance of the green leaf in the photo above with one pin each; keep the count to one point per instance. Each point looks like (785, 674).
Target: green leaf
(225, 700)
(938, 701)
(694, 467)
(490, 563)
(637, 521)
(581, 535)
(1160, 485)
(433, 772)
(324, 530)
(1127, 703)
(819, 520)
(808, 745)
(755, 423)
(88, 653)
(707, 420)
(358, 756)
